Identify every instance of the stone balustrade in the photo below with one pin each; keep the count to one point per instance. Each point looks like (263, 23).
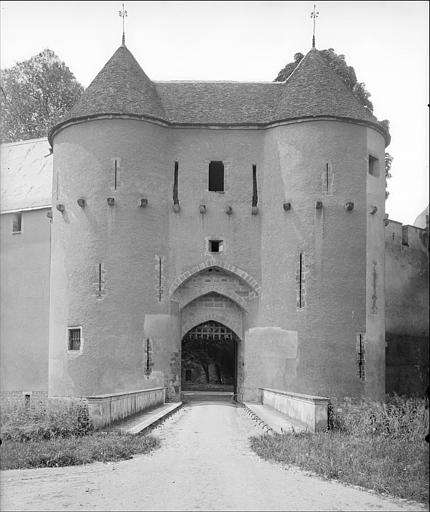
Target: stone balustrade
(106, 409)
(310, 411)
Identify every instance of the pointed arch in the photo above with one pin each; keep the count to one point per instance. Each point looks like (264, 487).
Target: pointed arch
(228, 267)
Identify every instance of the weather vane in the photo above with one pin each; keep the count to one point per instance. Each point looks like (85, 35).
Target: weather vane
(314, 15)
(123, 15)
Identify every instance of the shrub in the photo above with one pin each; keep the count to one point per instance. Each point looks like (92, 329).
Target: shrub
(398, 417)
(56, 419)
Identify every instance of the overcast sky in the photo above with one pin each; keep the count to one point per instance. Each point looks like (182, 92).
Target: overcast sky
(386, 42)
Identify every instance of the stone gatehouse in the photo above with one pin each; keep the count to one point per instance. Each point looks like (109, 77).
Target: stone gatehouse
(258, 206)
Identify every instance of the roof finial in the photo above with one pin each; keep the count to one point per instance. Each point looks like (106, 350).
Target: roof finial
(123, 15)
(314, 15)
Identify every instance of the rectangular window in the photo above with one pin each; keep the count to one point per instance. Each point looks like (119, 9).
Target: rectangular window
(74, 342)
(373, 166)
(215, 245)
(216, 177)
(17, 222)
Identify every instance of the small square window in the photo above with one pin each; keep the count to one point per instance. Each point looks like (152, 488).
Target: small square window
(215, 245)
(373, 166)
(74, 342)
(17, 222)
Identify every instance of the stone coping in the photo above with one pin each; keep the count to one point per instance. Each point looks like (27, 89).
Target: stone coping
(125, 393)
(298, 396)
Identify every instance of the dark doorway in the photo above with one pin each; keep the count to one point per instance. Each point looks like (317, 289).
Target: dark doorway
(209, 358)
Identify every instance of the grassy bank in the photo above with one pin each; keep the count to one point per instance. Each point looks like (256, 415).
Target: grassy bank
(60, 434)
(373, 445)
(72, 451)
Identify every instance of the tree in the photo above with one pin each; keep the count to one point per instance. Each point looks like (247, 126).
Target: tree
(35, 94)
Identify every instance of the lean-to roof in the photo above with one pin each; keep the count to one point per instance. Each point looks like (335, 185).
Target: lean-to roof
(26, 175)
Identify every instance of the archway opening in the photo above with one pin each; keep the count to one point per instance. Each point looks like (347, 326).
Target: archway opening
(209, 359)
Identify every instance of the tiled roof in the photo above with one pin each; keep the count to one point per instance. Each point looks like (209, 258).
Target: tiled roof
(219, 102)
(121, 87)
(26, 175)
(312, 90)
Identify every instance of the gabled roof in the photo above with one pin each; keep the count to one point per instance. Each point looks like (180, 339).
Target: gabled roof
(312, 90)
(26, 175)
(121, 87)
(219, 102)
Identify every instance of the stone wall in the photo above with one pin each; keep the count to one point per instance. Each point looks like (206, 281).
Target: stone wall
(407, 307)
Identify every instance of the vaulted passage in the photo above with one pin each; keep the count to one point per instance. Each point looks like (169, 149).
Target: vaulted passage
(209, 358)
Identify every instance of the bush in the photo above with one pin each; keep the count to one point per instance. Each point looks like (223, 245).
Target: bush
(56, 419)
(397, 418)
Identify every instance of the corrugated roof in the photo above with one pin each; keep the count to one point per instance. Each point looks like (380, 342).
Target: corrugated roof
(26, 175)
(312, 90)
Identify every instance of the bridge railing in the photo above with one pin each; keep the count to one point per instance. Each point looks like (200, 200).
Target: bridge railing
(105, 409)
(310, 411)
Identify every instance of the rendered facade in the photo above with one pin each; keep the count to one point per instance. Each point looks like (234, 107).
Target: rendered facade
(254, 207)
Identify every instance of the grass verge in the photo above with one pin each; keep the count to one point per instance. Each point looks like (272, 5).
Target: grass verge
(379, 446)
(74, 450)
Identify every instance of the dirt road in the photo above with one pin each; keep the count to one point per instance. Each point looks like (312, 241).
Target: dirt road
(204, 463)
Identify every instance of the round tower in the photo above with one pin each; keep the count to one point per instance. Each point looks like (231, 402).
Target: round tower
(323, 238)
(110, 217)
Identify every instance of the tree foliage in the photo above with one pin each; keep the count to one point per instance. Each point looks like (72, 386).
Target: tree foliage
(35, 94)
(204, 353)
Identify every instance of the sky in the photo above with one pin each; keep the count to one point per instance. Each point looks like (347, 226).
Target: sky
(386, 43)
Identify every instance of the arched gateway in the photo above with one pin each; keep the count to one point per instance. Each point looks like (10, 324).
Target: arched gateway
(213, 304)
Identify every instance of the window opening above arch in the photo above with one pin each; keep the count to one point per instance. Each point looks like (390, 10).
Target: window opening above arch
(216, 176)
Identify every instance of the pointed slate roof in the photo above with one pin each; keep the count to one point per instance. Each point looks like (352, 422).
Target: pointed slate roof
(312, 90)
(121, 87)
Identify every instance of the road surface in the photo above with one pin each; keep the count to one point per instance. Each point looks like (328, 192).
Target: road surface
(204, 463)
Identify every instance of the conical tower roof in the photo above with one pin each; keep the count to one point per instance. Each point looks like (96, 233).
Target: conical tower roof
(314, 90)
(121, 87)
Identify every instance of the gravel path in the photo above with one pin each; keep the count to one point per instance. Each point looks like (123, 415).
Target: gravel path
(204, 463)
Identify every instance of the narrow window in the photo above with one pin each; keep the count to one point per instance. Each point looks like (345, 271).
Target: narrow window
(301, 280)
(148, 357)
(160, 275)
(175, 185)
(327, 178)
(115, 177)
(360, 357)
(254, 186)
(74, 338)
(215, 245)
(373, 166)
(216, 177)
(100, 280)
(17, 222)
